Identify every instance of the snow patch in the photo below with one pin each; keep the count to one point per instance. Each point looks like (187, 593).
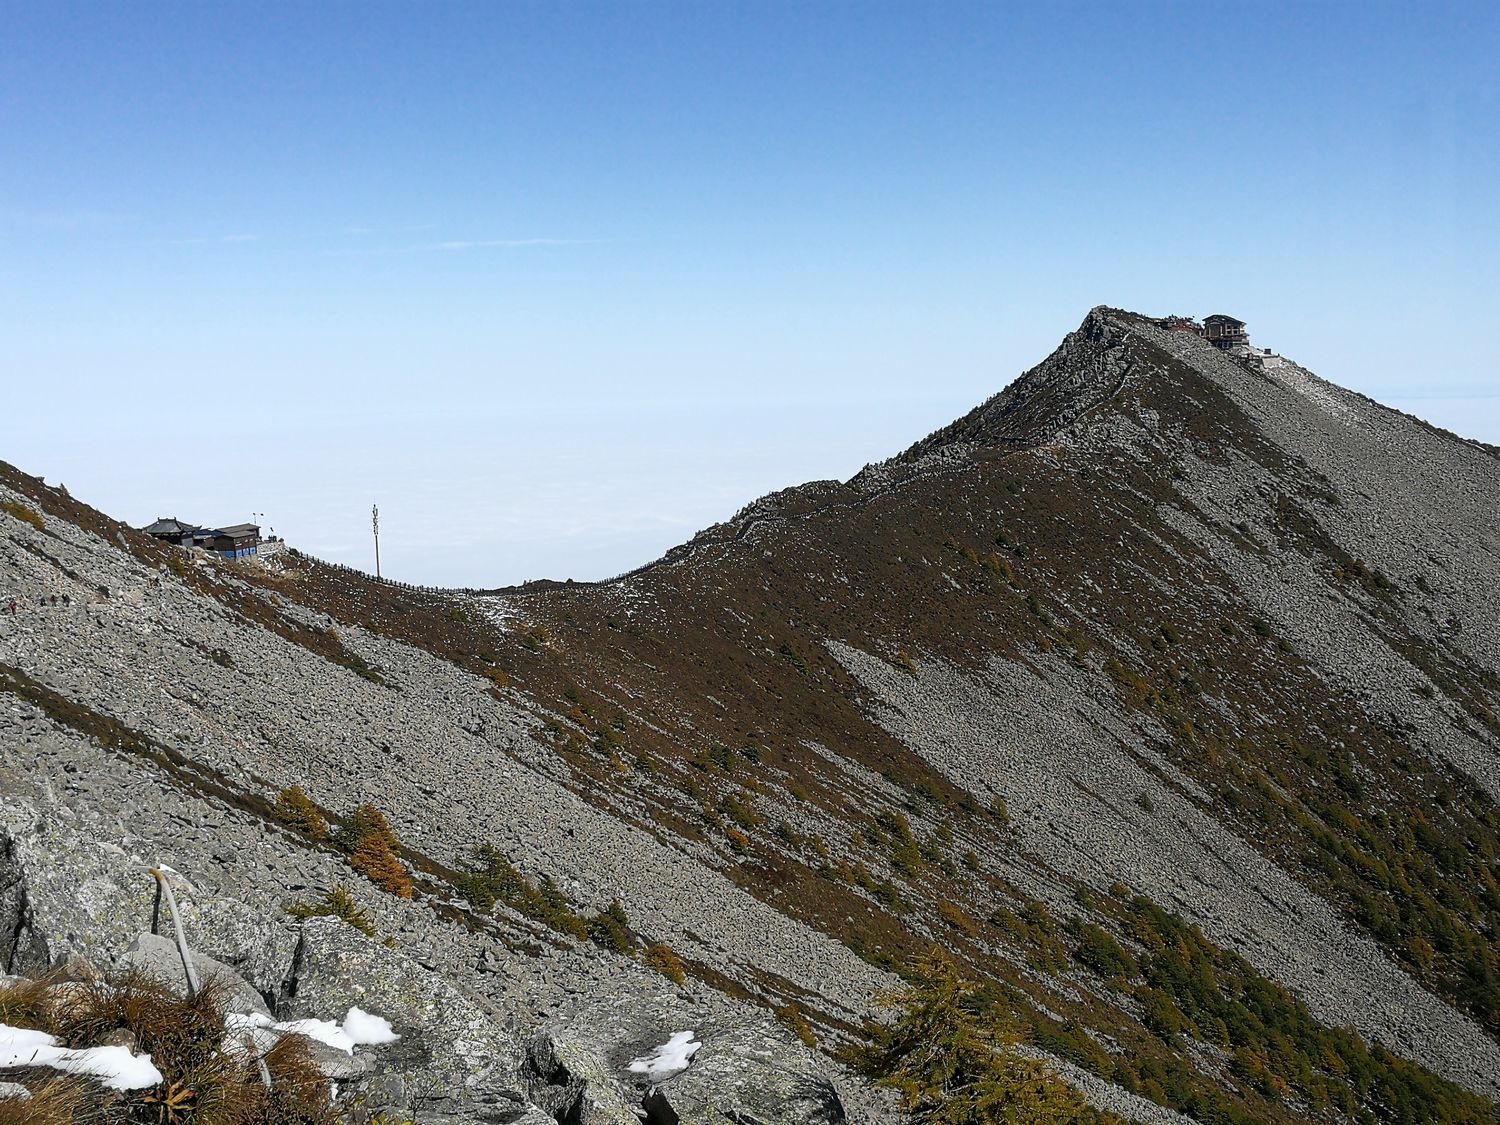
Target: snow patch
(358, 1029)
(115, 1067)
(366, 1029)
(672, 1057)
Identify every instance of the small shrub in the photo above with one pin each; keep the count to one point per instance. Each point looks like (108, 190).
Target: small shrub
(296, 810)
(738, 841)
(1037, 610)
(337, 903)
(1160, 1014)
(491, 879)
(722, 757)
(956, 918)
(659, 956)
(535, 638)
(999, 809)
(1100, 952)
(950, 1066)
(790, 1015)
(23, 513)
(363, 823)
(610, 928)
(374, 858)
(741, 809)
(789, 651)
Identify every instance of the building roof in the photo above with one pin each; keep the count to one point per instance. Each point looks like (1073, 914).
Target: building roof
(172, 526)
(237, 530)
(1220, 318)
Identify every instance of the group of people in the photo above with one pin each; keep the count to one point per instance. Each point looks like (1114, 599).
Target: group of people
(42, 603)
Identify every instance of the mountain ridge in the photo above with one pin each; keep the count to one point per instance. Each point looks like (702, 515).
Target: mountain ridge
(1199, 663)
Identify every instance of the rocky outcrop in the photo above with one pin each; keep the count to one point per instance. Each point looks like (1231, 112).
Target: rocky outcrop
(22, 948)
(455, 1056)
(461, 1057)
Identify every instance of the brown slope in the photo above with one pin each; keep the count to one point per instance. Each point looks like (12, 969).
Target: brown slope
(1042, 525)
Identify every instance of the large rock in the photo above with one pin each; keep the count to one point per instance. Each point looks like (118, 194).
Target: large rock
(749, 1073)
(454, 1056)
(94, 898)
(160, 959)
(743, 1068)
(22, 947)
(572, 1082)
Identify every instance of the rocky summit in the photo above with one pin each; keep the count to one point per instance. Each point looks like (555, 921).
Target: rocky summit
(1159, 694)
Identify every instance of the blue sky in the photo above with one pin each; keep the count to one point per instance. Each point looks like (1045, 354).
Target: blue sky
(559, 284)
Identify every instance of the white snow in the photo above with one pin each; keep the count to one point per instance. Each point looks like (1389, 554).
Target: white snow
(364, 1028)
(115, 1067)
(324, 1031)
(358, 1029)
(672, 1057)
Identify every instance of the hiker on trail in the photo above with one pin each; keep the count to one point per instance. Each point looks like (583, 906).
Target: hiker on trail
(67, 600)
(12, 607)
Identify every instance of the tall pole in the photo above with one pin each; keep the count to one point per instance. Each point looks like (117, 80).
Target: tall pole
(375, 526)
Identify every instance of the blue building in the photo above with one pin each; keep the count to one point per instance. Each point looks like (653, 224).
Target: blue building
(237, 541)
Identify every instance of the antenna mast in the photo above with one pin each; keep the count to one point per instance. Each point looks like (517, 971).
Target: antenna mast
(375, 527)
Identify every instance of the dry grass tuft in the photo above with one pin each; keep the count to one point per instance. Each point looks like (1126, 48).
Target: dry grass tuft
(53, 1101)
(299, 1093)
(204, 1083)
(27, 1003)
(181, 1033)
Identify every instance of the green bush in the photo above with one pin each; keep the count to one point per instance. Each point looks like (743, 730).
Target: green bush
(362, 824)
(1100, 952)
(950, 1065)
(610, 928)
(491, 879)
(337, 903)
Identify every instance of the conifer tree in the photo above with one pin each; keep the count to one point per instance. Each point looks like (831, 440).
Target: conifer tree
(950, 1065)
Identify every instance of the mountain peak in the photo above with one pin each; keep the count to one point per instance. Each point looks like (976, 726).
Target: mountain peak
(1086, 369)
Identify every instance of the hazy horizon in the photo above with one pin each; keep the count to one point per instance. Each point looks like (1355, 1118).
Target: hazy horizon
(533, 520)
(559, 285)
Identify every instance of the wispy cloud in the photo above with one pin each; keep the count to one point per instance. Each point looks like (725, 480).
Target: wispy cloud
(505, 243)
(216, 240)
(407, 229)
(461, 245)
